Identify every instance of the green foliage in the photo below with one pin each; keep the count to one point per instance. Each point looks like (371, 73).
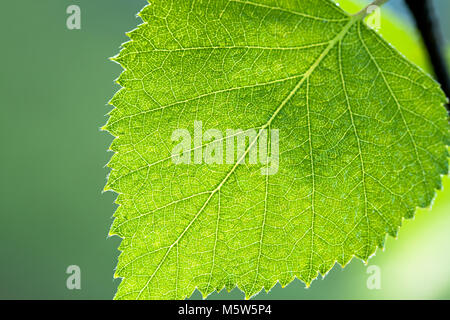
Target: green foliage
(363, 136)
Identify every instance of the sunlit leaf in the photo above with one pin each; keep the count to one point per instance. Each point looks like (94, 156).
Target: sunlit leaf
(362, 143)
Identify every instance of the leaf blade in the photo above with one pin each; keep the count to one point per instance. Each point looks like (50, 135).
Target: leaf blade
(222, 246)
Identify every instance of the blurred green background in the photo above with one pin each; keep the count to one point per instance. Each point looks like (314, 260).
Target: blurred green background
(55, 84)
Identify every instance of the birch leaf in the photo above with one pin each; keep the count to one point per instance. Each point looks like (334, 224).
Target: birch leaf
(363, 138)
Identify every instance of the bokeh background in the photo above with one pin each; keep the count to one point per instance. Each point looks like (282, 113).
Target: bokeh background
(55, 84)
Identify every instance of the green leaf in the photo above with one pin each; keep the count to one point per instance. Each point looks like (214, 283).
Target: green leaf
(363, 138)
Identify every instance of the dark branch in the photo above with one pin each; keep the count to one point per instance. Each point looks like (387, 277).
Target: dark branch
(427, 24)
